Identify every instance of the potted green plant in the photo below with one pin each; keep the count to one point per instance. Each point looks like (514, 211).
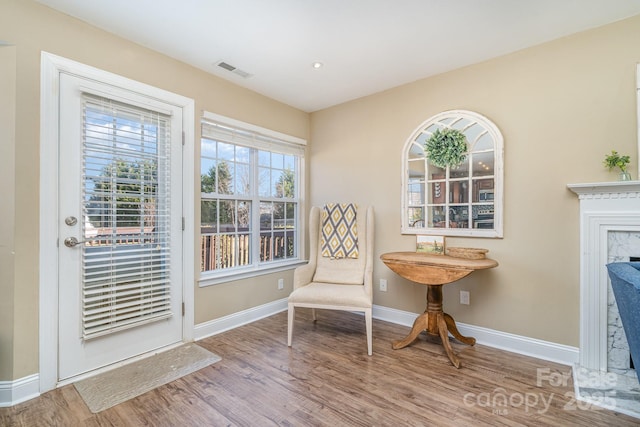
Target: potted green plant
(615, 160)
(446, 148)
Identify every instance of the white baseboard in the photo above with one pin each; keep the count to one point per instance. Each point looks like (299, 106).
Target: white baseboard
(216, 326)
(18, 391)
(545, 350)
(540, 349)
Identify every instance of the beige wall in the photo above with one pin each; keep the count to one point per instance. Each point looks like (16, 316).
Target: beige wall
(32, 28)
(561, 107)
(7, 196)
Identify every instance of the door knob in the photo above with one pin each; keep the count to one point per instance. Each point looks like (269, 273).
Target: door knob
(71, 242)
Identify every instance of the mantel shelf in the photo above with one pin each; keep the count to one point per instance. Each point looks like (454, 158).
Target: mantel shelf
(623, 188)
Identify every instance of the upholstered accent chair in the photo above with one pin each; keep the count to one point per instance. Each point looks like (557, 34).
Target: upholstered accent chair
(625, 281)
(336, 284)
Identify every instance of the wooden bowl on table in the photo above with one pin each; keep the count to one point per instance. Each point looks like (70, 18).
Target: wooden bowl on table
(467, 253)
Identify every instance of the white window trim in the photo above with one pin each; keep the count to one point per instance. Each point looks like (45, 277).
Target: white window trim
(210, 278)
(497, 231)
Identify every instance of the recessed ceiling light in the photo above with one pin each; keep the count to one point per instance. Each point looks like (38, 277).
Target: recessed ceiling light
(317, 65)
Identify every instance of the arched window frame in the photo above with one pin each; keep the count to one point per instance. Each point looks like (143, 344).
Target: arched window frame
(474, 126)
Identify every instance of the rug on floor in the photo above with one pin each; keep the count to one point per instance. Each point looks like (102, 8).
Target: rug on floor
(110, 388)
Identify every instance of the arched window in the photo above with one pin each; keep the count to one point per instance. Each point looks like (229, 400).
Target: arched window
(465, 200)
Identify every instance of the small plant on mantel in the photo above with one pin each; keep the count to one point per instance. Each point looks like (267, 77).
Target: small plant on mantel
(615, 160)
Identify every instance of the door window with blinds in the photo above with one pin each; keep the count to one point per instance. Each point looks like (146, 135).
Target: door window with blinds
(126, 206)
(250, 199)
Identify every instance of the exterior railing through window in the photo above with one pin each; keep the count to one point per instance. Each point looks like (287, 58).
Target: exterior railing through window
(219, 251)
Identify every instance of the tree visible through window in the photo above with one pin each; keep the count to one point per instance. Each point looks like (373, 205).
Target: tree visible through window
(249, 200)
(128, 186)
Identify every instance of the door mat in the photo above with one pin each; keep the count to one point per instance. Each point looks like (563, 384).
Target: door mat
(110, 388)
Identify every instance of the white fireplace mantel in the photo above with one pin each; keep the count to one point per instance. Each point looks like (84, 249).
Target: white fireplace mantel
(607, 190)
(604, 207)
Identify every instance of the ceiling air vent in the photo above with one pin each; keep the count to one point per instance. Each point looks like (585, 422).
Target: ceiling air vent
(234, 70)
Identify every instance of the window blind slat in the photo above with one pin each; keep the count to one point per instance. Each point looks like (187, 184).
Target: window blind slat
(125, 322)
(95, 266)
(247, 138)
(124, 289)
(122, 306)
(124, 253)
(98, 285)
(124, 313)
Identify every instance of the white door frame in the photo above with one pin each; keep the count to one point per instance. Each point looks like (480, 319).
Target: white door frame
(51, 67)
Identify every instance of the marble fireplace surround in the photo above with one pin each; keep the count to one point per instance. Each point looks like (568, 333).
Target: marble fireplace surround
(622, 247)
(605, 209)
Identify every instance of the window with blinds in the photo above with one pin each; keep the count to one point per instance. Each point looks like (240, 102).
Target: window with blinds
(126, 203)
(251, 187)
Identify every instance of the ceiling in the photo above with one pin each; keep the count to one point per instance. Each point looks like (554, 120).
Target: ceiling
(365, 46)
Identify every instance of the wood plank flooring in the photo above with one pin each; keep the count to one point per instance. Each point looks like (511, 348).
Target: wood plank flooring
(327, 379)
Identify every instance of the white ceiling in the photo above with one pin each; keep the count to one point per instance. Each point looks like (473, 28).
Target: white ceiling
(366, 46)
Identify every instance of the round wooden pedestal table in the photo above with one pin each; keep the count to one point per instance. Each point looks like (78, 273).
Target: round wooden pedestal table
(434, 271)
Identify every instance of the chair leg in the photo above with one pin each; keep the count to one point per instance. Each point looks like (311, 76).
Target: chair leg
(368, 322)
(291, 314)
(313, 314)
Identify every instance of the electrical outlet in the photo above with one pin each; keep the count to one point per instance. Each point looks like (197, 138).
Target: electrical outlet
(280, 284)
(464, 297)
(383, 285)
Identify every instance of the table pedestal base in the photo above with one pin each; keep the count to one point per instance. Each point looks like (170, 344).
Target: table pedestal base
(435, 322)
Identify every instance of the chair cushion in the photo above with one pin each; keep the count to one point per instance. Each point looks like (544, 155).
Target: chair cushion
(331, 294)
(344, 271)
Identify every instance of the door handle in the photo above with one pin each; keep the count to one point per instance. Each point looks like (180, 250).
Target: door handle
(71, 242)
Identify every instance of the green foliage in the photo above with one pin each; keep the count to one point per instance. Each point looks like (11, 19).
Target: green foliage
(614, 160)
(446, 148)
(285, 186)
(130, 188)
(220, 178)
(216, 180)
(226, 213)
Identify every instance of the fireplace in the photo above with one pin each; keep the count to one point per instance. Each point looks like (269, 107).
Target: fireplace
(622, 246)
(609, 232)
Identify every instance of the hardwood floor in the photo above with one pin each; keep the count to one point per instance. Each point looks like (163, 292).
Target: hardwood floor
(326, 379)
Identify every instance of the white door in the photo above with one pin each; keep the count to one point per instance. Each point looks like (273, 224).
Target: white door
(120, 225)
